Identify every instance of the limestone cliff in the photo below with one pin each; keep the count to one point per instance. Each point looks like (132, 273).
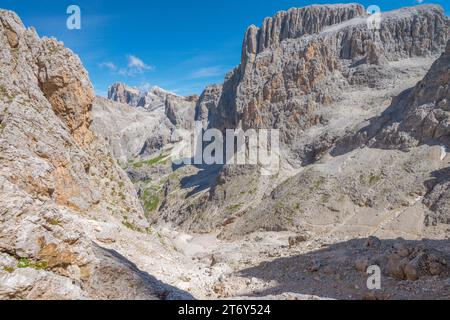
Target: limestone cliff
(319, 85)
(301, 60)
(62, 194)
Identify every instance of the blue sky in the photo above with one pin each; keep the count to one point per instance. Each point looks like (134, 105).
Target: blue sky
(179, 45)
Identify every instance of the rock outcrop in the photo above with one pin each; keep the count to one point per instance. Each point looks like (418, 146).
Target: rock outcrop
(308, 83)
(140, 124)
(410, 136)
(295, 23)
(290, 71)
(122, 93)
(128, 131)
(56, 179)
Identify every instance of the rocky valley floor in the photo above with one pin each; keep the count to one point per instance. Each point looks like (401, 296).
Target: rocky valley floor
(325, 263)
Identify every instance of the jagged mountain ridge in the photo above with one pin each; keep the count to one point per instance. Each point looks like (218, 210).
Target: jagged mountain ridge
(156, 120)
(365, 190)
(152, 99)
(297, 85)
(274, 88)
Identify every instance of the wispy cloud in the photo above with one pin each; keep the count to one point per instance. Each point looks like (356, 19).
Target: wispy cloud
(137, 63)
(134, 67)
(207, 72)
(108, 65)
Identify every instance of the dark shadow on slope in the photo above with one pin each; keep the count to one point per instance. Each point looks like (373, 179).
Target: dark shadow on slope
(394, 113)
(204, 179)
(114, 266)
(332, 273)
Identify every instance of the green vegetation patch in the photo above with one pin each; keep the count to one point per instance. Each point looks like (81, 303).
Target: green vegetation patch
(161, 159)
(135, 228)
(235, 207)
(374, 179)
(151, 199)
(8, 269)
(28, 263)
(151, 203)
(5, 93)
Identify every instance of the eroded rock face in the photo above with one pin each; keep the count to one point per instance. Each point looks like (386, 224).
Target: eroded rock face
(313, 87)
(56, 178)
(122, 93)
(156, 120)
(300, 61)
(423, 116)
(295, 23)
(428, 105)
(68, 90)
(127, 130)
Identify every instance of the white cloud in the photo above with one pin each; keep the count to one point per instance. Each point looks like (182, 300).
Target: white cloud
(135, 66)
(207, 72)
(109, 65)
(136, 63)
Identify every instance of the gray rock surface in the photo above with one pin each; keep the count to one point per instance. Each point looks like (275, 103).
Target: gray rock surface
(365, 157)
(319, 88)
(57, 179)
(122, 93)
(140, 124)
(129, 130)
(289, 72)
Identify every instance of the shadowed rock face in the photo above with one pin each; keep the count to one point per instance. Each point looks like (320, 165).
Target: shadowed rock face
(335, 271)
(422, 113)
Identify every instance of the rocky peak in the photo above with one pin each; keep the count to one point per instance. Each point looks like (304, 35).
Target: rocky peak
(152, 99)
(301, 59)
(179, 110)
(122, 93)
(295, 23)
